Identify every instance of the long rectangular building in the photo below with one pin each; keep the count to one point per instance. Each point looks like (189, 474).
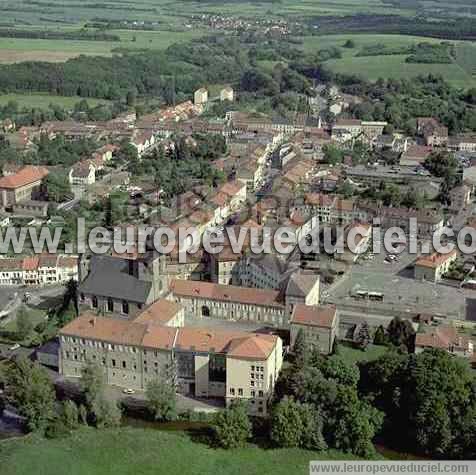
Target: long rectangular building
(207, 363)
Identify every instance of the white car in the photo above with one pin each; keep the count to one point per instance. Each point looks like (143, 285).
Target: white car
(128, 391)
(14, 347)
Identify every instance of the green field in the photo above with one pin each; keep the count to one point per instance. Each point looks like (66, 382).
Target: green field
(147, 451)
(43, 101)
(18, 49)
(459, 73)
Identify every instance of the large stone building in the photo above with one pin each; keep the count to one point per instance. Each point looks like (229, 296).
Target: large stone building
(229, 302)
(22, 186)
(205, 362)
(234, 303)
(123, 285)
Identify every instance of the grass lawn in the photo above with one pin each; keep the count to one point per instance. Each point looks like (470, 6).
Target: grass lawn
(42, 101)
(458, 73)
(354, 355)
(147, 451)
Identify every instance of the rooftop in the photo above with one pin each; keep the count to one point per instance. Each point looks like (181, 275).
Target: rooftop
(315, 316)
(26, 176)
(231, 293)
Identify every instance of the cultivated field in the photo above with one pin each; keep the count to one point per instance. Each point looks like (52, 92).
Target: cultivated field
(41, 101)
(14, 50)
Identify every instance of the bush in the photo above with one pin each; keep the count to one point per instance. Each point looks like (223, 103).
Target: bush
(232, 427)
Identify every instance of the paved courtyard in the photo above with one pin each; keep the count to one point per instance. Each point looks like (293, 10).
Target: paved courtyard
(402, 293)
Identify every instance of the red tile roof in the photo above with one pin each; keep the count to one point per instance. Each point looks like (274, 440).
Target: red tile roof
(314, 315)
(26, 176)
(435, 260)
(230, 293)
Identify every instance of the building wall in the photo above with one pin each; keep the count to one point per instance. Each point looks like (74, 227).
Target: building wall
(253, 380)
(124, 366)
(197, 307)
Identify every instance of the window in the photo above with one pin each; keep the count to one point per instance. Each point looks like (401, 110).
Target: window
(260, 393)
(252, 383)
(240, 392)
(94, 301)
(113, 363)
(125, 307)
(253, 393)
(110, 305)
(123, 364)
(232, 391)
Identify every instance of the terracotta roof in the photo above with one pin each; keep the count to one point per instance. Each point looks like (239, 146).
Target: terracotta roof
(236, 344)
(122, 332)
(27, 175)
(319, 199)
(30, 263)
(67, 261)
(314, 315)
(232, 188)
(160, 312)
(253, 347)
(205, 339)
(231, 293)
(347, 122)
(444, 337)
(435, 260)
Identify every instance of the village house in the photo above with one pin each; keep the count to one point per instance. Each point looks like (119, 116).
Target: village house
(200, 96)
(22, 186)
(462, 143)
(435, 134)
(415, 156)
(45, 269)
(444, 337)
(82, 175)
(143, 142)
(431, 268)
(320, 325)
(227, 94)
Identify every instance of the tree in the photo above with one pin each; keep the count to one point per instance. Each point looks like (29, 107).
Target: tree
(232, 427)
(24, 323)
(354, 423)
(363, 336)
(30, 389)
(92, 382)
(162, 400)
(401, 333)
(70, 415)
(380, 337)
(296, 425)
(58, 187)
(429, 400)
(131, 98)
(301, 349)
(105, 413)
